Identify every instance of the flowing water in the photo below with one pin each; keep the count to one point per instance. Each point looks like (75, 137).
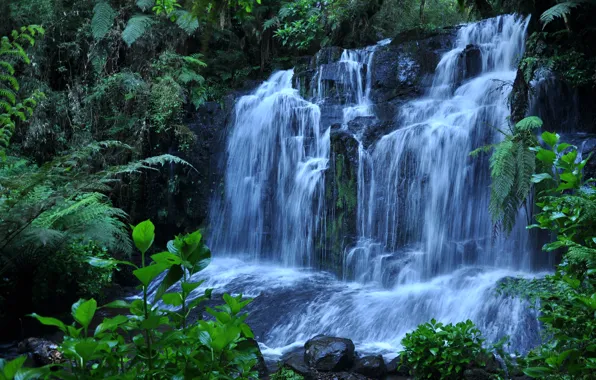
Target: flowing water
(426, 244)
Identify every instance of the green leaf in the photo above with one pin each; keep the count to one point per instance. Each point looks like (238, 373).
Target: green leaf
(561, 147)
(173, 276)
(537, 178)
(550, 138)
(86, 349)
(83, 311)
(166, 258)
(118, 304)
(11, 368)
(143, 235)
(188, 287)
(148, 273)
(537, 372)
(107, 263)
(546, 156)
(529, 123)
(47, 321)
(174, 299)
(110, 324)
(153, 322)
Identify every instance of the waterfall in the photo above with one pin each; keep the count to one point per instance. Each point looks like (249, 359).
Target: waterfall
(426, 246)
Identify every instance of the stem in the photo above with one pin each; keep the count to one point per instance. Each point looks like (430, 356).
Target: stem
(184, 300)
(146, 310)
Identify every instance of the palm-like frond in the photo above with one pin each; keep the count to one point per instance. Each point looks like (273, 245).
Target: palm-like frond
(186, 21)
(103, 19)
(562, 10)
(136, 27)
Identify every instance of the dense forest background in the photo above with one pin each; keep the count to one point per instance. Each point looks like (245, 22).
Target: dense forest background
(124, 102)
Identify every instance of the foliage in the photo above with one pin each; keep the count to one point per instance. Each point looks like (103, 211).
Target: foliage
(512, 164)
(164, 344)
(438, 351)
(11, 109)
(285, 374)
(563, 10)
(14, 370)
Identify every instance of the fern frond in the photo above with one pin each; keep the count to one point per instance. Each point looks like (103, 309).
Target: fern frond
(561, 10)
(186, 21)
(502, 166)
(8, 95)
(11, 81)
(103, 19)
(526, 164)
(136, 27)
(145, 4)
(7, 67)
(270, 23)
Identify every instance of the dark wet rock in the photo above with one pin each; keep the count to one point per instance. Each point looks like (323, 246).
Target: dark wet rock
(42, 351)
(329, 354)
(326, 55)
(477, 374)
(341, 196)
(261, 366)
(371, 366)
(471, 58)
(397, 366)
(296, 362)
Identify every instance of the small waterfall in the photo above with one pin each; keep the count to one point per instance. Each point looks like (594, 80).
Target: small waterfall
(277, 154)
(426, 247)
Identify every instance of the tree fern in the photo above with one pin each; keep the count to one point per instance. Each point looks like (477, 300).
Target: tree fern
(136, 27)
(562, 10)
(145, 4)
(103, 19)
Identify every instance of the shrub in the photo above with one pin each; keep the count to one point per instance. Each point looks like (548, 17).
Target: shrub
(438, 351)
(286, 374)
(148, 341)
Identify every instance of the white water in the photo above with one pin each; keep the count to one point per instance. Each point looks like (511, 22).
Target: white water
(427, 248)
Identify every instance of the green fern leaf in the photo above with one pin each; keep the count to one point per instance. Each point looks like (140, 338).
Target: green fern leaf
(7, 67)
(145, 4)
(8, 95)
(561, 10)
(103, 19)
(186, 21)
(526, 164)
(136, 27)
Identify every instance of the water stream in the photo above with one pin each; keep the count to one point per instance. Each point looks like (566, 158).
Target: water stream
(426, 246)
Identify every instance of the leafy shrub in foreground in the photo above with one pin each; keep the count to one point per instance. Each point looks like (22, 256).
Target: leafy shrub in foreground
(438, 351)
(151, 342)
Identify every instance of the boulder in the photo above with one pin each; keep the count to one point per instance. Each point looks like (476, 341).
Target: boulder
(295, 360)
(42, 351)
(371, 366)
(397, 366)
(477, 374)
(329, 354)
(471, 59)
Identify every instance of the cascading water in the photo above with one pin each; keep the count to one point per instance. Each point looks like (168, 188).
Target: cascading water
(426, 246)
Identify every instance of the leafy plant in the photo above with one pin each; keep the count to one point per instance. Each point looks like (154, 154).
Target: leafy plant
(512, 164)
(11, 109)
(563, 10)
(285, 374)
(14, 370)
(438, 351)
(163, 343)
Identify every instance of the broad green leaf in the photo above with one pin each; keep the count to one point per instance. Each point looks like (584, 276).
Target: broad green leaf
(11, 368)
(569, 157)
(188, 287)
(546, 156)
(550, 138)
(86, 349)
(537, 178)
(166, 258)
(173, 276)
(83, 311)
(143, 235)
(561, 147)
(119, 304)
(47, 321)
(537, 372)
(148, 273)
(153, 322)
(174, 299)
(110, 324)
(107, 263)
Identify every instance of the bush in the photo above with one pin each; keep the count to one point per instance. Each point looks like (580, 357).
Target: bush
(286, 374)
(148, 341)
(438, 351)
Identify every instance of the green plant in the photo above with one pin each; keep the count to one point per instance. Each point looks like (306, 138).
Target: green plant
(163, 343)
(438, 351)
(512, 164)
(286, 374)
(14, 369)
(11, 109)
(563, 10)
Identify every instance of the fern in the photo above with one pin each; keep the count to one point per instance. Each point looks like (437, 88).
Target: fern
(526, 165)
(145, 4)
(186, 21)
(562, 10)
(103, 19)
(136, 27)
